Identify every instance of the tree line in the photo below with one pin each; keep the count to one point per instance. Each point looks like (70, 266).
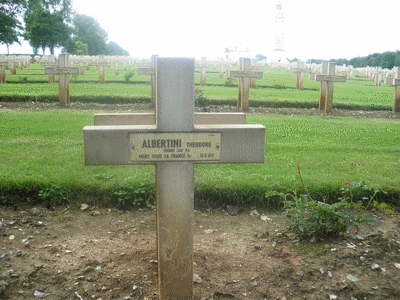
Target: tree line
(48, 24)
(386, 60)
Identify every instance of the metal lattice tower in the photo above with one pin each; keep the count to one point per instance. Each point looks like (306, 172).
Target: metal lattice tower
(279, 19)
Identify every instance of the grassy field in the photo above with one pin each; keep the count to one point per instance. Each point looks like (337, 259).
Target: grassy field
(42, 157)
(276, 88)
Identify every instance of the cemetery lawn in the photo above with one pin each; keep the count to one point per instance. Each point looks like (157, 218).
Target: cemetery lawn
(43, 184)
(105, 253)
(42, 158)
(277, 88)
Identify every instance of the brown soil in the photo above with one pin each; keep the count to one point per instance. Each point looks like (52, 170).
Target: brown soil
(106, 254)
(69, 253)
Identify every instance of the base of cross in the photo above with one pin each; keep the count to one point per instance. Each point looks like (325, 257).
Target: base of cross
(396, 101)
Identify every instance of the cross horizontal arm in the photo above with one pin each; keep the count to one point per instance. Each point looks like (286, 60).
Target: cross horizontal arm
(243, 74)
(302, 70)
(150, 118)
(146, 71)
(331, 78)
(110, 145)
(57, 70)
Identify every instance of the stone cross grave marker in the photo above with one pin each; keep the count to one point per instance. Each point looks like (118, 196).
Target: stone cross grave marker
(100, 65)
(203, 69)
(174, 145)
(244, 74)
(3, 67)
(63, 70)
(152, 72)
(49, 61)
(396, 84)
(327, 79)
(300, 70)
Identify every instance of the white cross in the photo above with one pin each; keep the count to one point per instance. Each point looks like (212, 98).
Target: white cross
(63, 70)
(174, 144)
(327, 79)
(244, 74)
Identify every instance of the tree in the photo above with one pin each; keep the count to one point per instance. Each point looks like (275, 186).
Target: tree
(88, 31)
(46, 23)
(10, 29)
(115, 49)
(260, 57)
(81, 48)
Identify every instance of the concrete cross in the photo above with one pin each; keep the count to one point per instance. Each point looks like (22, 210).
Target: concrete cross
(3, 67)
(100, 65)
(396, 84)
(63, 70)
(203, 68)
(327, 79)
(152, 72)
(174, 145)
(244, 74)
(299, 71)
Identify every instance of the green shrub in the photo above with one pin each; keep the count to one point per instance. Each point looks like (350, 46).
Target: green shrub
(129, 75)
(199, 98)
(129, 194)
(309, 217)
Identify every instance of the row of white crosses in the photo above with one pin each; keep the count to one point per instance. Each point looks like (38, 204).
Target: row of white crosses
(173, 142)
(11, 61)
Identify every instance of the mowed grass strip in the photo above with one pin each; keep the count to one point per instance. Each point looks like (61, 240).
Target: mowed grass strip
(276, 88)
(40, 149)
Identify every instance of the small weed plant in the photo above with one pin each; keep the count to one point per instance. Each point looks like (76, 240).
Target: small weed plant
(312, 218)
(199, 99)
(128, 75)
(129, 194)
(54, 195)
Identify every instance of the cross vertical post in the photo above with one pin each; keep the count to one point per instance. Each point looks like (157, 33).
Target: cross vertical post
(203, 69)
(396, 84)
(174, 113)
(327, 79)
(323, 89)
(3, 67)
(152, 72)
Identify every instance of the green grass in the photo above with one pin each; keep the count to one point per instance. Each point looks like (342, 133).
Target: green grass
(43, 150)
(277, 88)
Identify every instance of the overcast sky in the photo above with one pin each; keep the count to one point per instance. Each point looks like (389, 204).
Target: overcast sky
(312, 28)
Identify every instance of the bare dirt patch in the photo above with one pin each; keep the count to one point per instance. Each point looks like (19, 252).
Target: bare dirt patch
(110, 254)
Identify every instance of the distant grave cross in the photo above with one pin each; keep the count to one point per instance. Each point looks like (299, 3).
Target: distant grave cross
(152, 72)
(174, 144)
(63, 70)
(299, 71)
(203, 70)
(100, 65)
(244, 74)
(327, 79)
(3, 67)
(396, 84)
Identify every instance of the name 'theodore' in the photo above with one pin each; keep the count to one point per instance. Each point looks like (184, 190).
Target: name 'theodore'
(176, 143)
